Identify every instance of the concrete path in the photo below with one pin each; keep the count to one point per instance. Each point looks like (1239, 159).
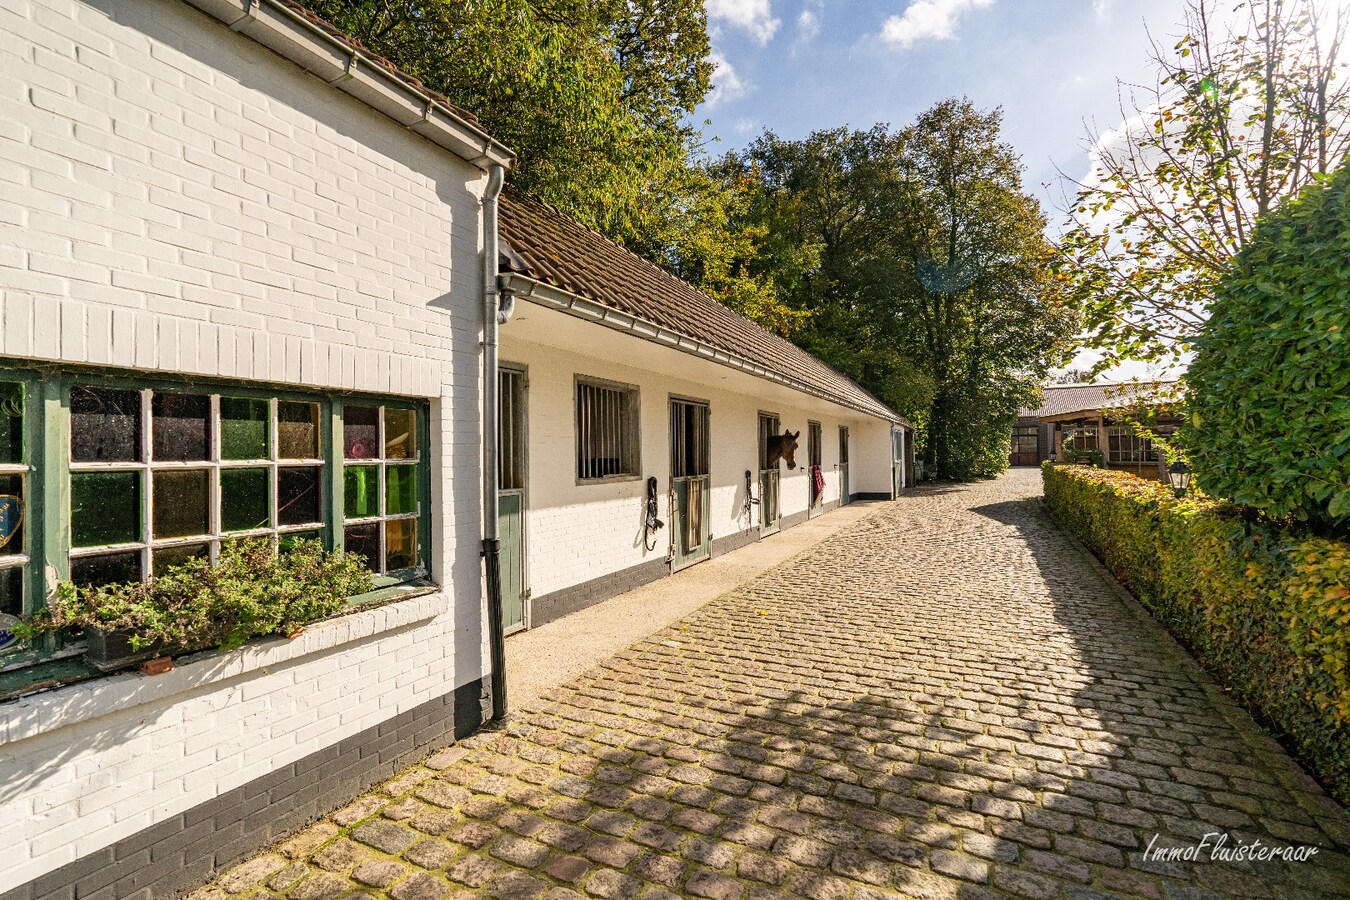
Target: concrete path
(555, 653)
(945, 699)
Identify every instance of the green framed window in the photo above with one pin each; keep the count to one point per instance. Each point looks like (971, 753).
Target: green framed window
(382, 476)
(159, 476)
(111, 479)
(15, 490)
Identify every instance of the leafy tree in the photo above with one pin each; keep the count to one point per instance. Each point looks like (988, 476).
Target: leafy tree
(1073, 376)
(593, 95)
(983, 311)
(1247, 107)
(923, 271)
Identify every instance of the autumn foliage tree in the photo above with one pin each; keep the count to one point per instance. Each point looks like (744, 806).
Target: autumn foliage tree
(1247, 107)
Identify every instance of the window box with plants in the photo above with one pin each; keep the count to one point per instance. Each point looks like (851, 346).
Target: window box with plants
(251, 591)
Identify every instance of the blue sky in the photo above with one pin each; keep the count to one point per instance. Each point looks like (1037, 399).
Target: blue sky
(799, 65)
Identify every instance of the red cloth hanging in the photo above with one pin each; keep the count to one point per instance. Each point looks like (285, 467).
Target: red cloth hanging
(817, 484)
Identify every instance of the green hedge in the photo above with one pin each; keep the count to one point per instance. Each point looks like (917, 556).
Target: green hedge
(1268, 393)
(1266, 610)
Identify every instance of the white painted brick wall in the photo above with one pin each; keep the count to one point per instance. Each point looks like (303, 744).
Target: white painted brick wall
(175, 198)
(579, 532)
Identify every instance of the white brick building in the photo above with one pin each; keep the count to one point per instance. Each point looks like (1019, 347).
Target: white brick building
(219, 213)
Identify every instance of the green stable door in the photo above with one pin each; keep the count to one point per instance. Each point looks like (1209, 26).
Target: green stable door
(770, 515)
(845, 492)
(511, 471)
(690, 483)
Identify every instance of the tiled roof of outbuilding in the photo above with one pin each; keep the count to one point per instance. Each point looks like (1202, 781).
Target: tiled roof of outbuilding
(542, 243)
(1061, 399)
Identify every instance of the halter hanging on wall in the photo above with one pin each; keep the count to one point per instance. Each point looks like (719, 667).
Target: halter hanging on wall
(652, 524)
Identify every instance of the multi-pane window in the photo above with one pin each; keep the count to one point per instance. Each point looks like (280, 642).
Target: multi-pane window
(14, 495)
(112, 480)
(1025, 441)
(1126, 446)
(158, 477)
(381, 485)
(1080, 438)
(607, 430)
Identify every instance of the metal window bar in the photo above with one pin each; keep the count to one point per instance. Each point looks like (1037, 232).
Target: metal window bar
(843, 445)
(689, 434)
(510, 436)
(813, 442)
(605, 442)
(768, 427)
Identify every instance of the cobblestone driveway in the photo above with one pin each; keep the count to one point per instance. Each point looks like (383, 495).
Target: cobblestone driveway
(944, 700)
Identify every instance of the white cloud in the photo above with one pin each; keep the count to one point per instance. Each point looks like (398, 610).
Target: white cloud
(726, 84)
(808, 21)
(755, 17)
(927, 20)
(1102, 8)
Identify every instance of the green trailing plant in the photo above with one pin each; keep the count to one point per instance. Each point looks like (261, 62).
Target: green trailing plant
(1269, 390)
(1264, 607)
(251, 591)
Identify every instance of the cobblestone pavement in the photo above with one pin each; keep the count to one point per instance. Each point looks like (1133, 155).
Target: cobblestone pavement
(944, 700)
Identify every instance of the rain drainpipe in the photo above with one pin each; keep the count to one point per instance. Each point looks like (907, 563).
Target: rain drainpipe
(497, 308)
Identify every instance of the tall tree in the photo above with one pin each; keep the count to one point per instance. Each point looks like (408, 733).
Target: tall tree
(923, 270)
(982, 309)
(594, 95)
(1247, 107)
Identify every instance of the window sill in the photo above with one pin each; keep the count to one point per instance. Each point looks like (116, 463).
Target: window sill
(608, 479)
(58, 693)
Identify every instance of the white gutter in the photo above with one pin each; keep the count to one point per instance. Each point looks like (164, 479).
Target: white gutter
(296, 38)
(524, 287)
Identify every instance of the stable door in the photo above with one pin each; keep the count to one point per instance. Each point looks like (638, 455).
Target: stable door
(511, 471)
(769, 513)
(690, 482)
(815, 474)
(844, 495)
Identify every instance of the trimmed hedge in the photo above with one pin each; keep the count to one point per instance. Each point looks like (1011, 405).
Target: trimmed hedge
(1265, 609)
(1268, 393)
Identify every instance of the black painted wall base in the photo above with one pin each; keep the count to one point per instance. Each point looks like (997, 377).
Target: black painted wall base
(734, 541)
(871, 495)
(572, 599)
(187, 850)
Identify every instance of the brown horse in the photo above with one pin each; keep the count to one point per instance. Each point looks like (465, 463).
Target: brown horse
(782, 446)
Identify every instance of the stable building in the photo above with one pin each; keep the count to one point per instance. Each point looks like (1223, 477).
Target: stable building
(621, 383)
(252, 283)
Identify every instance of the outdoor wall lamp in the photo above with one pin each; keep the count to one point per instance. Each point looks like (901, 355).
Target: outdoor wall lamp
(1180, 475)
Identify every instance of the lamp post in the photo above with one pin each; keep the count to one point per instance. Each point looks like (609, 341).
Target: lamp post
(1179, 473)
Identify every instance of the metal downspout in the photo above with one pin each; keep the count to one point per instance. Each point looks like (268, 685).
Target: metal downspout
(491, 538)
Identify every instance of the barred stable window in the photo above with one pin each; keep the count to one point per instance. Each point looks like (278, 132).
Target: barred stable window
(136, 477)
(607, 430)
(814, 443)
